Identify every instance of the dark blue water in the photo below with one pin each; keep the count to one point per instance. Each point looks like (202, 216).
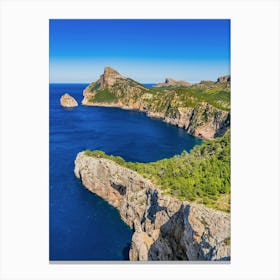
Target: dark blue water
(149, 85)
(82, 225)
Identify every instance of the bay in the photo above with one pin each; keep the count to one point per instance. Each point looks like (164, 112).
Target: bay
(82, 225)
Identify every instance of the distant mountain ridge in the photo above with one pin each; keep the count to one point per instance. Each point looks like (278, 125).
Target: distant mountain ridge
(201, 109)
(172, 82)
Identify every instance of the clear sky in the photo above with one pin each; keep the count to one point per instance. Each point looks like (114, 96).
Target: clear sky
(145, 50)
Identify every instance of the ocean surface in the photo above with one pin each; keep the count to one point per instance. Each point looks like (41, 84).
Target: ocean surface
(82, 225)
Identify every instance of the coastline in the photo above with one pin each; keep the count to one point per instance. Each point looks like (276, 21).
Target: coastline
(165, 228)
(204, 132)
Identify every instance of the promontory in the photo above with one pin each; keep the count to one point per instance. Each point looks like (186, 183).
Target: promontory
(202, 109)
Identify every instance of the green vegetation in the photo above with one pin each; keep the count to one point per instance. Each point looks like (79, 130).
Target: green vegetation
(104, 95)
(169, 100)
(93, 86)
(227, 241)
(166, 99)
(203, 175)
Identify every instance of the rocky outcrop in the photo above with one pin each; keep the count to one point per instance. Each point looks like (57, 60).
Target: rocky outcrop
(164, 227)
(171, 82)
(203, 121)
(109, 78)
(66, 100)
(124, 89)
(223, 79)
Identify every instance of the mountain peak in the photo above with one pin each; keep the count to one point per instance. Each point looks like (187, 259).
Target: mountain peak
(223, 79)
(109, 77)
(169, 81)
(110, 71)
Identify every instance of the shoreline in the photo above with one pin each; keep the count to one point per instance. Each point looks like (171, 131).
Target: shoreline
(152, 115)
(145, 208)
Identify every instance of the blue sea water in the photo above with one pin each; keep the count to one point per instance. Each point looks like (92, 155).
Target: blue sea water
(82, 225)
(149, 85)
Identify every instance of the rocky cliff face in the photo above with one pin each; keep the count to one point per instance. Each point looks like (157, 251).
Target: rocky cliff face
(164, 227)
(201, 120)
(67, 100)
(223, 79)
(109, 78)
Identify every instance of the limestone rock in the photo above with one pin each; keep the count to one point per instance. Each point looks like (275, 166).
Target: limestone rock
(164, 227)
(203, 121)
(109, 77)
(68, 101)
(223, 79)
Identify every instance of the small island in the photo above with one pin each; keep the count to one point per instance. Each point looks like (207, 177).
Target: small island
(68, 101)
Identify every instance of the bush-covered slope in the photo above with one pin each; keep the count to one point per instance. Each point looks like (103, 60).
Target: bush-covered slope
(162, 99)
(203, 175)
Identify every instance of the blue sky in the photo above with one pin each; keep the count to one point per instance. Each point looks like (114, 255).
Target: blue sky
(145, 50)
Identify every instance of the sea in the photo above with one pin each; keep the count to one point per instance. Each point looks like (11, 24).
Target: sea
(82, 226)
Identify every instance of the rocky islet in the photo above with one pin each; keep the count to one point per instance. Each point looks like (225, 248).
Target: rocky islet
(68, 101)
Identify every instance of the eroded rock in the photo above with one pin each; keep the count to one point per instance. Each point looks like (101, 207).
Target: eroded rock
(66, 100)
(164, 227)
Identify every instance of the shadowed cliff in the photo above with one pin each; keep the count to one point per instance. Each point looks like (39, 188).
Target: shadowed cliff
(165, 228)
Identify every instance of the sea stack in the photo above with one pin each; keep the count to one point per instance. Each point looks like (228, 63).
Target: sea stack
(66, 100)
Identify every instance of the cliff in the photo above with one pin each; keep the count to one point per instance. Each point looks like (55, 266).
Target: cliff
(224, 79)
(164, 227)
(201, 109)
(68, 101)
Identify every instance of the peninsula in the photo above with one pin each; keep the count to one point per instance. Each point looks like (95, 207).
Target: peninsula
(202, 109)
(166, 227)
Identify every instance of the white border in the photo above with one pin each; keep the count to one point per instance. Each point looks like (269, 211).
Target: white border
(24, 137)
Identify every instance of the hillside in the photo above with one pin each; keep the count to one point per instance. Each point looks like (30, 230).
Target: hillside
(203, 175)
(202, 109)
(164, 227)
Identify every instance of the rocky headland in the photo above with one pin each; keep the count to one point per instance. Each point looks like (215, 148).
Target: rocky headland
(165, 228)
(201, 109)
(68, 101)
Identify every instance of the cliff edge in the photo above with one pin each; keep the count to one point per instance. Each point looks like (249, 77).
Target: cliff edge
(165, 228)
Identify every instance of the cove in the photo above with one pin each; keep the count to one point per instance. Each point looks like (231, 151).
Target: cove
(82, 225)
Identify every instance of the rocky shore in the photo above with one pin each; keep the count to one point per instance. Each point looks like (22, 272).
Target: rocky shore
(165, 228)
(202, 120)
